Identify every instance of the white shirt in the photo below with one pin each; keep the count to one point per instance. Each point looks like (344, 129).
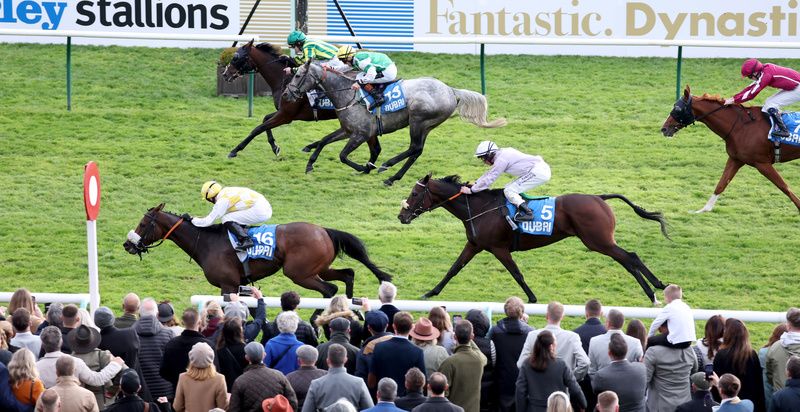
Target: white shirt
(680, 321)
(47, 371)
(28, 340)
(508, 160)
(568, 348)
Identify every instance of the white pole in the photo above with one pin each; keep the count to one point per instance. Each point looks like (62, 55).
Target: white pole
(94, 283)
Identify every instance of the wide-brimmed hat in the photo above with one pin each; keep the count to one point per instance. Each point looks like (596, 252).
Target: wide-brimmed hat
(424, 330)
(83, 339)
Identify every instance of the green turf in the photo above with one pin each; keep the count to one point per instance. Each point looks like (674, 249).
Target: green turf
(150, 119)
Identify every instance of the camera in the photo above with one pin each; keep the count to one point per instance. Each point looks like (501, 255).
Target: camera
(357, 301)
(245, 291)
(456, 318)
(709, 369)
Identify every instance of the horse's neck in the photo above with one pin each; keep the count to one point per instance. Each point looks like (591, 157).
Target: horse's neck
(337, 88)
(720, 122)
(187, 237)
(478, 203)
(272, 72)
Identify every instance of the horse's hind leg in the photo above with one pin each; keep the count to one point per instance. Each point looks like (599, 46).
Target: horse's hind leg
(353, 144)
(334, 136)
(770, 173)
(631, 263)
(343, 275)
(418, 135)
(327, 289)
(504, 256)
(657, 283)
(374, 152)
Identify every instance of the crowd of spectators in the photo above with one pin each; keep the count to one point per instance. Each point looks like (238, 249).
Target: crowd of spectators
(151, 358)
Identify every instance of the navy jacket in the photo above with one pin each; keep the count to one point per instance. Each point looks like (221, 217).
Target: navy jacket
(591, 328)
(788, 398)
(394, 358)
(7, 400)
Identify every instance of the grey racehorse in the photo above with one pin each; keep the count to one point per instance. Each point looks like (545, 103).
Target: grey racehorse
(429, 102)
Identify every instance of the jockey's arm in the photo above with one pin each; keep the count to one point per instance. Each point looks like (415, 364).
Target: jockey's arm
(367, 75)
(490, 176)
(751, 91)
(219, 210)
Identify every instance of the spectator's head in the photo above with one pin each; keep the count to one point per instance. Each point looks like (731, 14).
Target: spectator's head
(514, 308)
(672, 292)
(423, 333)
(191, 319)
(793, 319)
(402, 322)
(149, 307)
(558, 402)
(70, 317)
(201, 362)
(254, 352)
(130, 304)
(83, 339)
(699, 382)
(387, 390)
(555, 312)
(340, 325)
(714, 331)
(86, 319)
(103, 317)
(729, 386)
(337, 356)
(464, 332)
(307, 355)
(415, 380)
(21, 298)
(793, 367)
(617, 347)
(166, 314)
(65, 366)
(54, 314)
(776, 334)
(289, 300)
(338, 304)
(231, 334)
(342, 405)
(615, 320)
(213, 310)
(737, 340)
(129, 382)
(387, 292)
(607, 402)
(287, 322)
(50, 400)
(544, 350)
(437, 384)
(637, 330)
(22, 367)
(440, 320)
(236, 310)
(51, 339)
(21, 320)
(593, 309)
(480, 323)
(376, 321)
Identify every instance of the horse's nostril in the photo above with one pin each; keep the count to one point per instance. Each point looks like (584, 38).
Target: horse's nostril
(663, 130)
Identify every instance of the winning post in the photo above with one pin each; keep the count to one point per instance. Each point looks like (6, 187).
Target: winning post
(91, 199)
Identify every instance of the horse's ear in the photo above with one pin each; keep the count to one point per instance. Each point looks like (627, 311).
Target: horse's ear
(687, 92)
(427, 178)
(158, 208)
(250, 43)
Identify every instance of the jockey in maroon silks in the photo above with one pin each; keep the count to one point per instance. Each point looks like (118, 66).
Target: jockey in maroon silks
(776, 76)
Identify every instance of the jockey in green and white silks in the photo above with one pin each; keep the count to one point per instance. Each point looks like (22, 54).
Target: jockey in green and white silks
(306, 48)
(373, 68)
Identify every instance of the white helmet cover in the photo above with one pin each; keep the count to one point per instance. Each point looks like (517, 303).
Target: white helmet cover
(485, 148)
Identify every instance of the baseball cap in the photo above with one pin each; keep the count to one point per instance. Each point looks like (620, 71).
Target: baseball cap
(165, 312)
(377, 320)
(129, 381)
(700, 382)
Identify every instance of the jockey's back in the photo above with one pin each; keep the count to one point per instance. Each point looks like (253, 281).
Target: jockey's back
(317, 49)
(240, 198)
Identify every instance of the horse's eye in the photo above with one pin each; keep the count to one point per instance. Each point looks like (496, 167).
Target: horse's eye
(413, 194)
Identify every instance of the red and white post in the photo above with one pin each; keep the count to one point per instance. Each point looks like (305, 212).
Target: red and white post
(91, 200)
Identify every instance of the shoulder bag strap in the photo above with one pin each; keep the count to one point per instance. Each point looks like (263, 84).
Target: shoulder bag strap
(278, 359)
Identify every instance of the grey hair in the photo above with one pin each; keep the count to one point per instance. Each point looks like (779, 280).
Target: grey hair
(307, 354)
(149, 307)
(387, 292)
(54, 314)
(342, 405)
(51, 339)
(287, 322)
(387, 389)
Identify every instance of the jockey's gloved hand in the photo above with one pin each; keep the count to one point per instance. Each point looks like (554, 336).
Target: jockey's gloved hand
(187, 217)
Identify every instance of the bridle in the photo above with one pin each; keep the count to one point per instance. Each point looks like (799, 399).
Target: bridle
(244, 64)
(148, 231)
(419, 209)
(682, 113)
(294, 92)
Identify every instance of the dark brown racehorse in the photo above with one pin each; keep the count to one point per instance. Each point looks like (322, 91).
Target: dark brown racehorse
(744, 130)
(305, 252)
(586, 216)
(268, 60)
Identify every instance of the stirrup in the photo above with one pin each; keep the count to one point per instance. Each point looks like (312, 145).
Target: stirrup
(523, 217)
(243, 245)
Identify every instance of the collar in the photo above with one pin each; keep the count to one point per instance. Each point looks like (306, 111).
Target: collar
(307, 367)
(337, 371)
(612, 331)
(189, 332)
(53, 355)
(593, 321)
(67, 381)
(794, 382)
(385, 403)
(553, 327)
(735, 399)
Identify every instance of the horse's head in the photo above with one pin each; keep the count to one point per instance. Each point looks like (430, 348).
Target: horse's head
(307, 77)
(680, 116)
(151, 228)
(241, 63)
(418, 202)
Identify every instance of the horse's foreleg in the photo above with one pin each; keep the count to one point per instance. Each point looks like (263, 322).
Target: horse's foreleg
(343, 275)
(353, 144)
(470, 250)
(255, 132)
(731, 167)
(770, 173)
(418, 135)
(374, 152)
(275, 148)
(504, 256)
(334, 136)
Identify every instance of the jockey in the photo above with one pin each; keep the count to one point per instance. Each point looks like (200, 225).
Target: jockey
(373, 68)
(306, 48)
(237, 207)
(776, 76)
(531, 171)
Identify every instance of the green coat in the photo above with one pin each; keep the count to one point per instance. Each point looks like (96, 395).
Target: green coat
(464, 371)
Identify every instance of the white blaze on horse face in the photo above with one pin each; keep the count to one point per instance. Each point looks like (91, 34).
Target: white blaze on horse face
(134, 237)
(404, 205)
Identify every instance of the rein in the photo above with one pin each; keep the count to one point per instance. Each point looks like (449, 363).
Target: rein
(169, 232)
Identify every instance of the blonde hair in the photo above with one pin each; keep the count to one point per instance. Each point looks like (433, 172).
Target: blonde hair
(337, 304)
(21, 298)
(201, 374)
(673, 292)
(558, 402)
(22, 367)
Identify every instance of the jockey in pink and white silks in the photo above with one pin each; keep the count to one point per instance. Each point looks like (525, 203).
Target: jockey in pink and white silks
(531, 171)
(772, 75)
(236, 207)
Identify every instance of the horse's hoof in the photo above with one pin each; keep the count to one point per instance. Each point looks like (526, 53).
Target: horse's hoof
(388, 182)
(382, 169)
(427, 296)
(309, 169)
(532, 299)
(276, 150)
(232, 154)
(306, 149)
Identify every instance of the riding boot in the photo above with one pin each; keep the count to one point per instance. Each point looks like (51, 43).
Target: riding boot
(524, 213)
(780, 129)
(242, 238)
(377, 94)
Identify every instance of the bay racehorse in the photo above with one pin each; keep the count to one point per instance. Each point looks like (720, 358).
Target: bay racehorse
(305, 252)
(429, 102)
(586, 216)
(744, 130)
(269, 62)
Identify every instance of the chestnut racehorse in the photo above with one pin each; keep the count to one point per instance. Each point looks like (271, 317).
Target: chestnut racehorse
(744, 130)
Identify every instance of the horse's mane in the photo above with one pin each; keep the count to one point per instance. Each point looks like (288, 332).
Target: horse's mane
(273, 50)
(711, 97)
(455, 180)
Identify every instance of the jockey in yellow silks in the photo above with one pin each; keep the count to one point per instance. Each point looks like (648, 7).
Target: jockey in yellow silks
(236, 207)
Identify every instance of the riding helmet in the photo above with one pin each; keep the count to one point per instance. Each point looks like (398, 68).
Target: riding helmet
(210, 189)
(751, 66)
(346, 52)
(296, 37)
(486, 148)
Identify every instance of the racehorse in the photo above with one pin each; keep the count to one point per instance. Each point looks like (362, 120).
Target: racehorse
(269, 61)
(429, 102)
(744, 130)
(305, 252)
(586, 216)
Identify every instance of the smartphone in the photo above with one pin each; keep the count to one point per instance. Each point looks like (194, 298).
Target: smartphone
(456, 319)
(357, 301)
(226, 297)
(245, 291)
(709, 370)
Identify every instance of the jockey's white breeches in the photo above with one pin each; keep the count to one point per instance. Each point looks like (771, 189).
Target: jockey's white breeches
(260, 212)
(536, 176)
(781, 99)
(389, 75)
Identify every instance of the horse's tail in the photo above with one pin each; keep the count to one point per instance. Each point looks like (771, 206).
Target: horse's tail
(352, 246)
(472, 107)
(657, 216)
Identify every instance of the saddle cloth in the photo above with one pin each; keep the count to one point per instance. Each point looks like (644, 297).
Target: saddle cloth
(319, 100)
(544, 213)
(264, 240)
(393, 98)
(792, 122)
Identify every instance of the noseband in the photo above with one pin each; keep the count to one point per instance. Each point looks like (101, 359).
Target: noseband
(149, 229)
(419, 209)
(682, 113)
